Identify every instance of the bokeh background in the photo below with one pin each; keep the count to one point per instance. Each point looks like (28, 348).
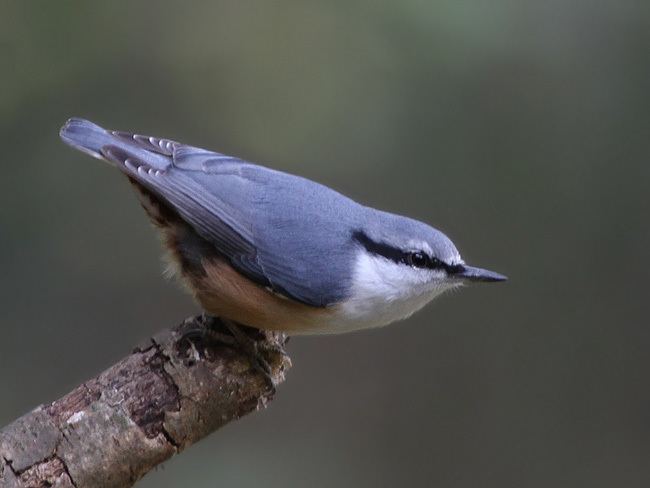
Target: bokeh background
(521, 128)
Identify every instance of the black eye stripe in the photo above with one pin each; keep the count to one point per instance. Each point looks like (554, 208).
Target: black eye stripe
(454, 268)
(417, 259)
(381, 249)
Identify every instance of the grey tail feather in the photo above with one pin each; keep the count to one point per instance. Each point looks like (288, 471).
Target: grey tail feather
(106, 145)
(85, 136)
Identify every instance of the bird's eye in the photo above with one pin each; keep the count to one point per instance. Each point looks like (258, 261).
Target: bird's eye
(418, 260)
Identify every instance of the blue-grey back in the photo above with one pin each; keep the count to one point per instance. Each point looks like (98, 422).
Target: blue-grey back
(301, 230)
(281, 230)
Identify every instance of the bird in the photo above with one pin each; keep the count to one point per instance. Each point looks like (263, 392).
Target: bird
(275, 251)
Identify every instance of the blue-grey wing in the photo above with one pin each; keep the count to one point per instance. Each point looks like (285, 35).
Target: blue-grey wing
(160, 165)
(213, 218)
(282, 231)
(302, 232)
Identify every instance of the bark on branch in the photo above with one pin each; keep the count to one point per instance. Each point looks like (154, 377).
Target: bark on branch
(114, 428)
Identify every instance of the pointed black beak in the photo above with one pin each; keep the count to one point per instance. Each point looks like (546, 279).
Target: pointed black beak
(470, 273)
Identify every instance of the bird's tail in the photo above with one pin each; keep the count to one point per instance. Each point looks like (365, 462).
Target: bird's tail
(85, 136)
(114, 146)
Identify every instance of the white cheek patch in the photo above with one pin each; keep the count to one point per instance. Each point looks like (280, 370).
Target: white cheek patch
(377, 275)
(383, 291)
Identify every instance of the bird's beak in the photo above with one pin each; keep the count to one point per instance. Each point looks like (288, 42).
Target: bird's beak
(470, 273)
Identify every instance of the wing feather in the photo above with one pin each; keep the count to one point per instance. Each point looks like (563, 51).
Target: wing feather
(280, 230)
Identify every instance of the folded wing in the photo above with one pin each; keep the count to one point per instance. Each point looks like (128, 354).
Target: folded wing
(281, 231)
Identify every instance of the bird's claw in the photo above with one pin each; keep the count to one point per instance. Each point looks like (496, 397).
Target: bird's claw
(209, 329)
(257, 352)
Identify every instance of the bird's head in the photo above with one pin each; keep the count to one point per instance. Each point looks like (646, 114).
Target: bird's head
(404, 260)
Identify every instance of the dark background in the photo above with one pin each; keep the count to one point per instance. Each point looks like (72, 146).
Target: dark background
(520, 128)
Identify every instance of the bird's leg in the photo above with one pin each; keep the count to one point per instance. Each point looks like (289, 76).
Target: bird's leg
(204, 329)
(256, 350)
(208, 329)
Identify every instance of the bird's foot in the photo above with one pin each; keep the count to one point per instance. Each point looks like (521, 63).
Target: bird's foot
(205, 329)
(258, 349)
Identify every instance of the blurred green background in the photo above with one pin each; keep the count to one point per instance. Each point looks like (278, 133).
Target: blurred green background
(519, 128)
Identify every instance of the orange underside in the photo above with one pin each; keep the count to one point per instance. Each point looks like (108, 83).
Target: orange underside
(226, 293)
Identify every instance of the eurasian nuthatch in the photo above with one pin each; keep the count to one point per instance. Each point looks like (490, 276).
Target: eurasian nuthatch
(275, 251)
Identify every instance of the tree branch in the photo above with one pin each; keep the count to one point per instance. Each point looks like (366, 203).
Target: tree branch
(114, 428)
